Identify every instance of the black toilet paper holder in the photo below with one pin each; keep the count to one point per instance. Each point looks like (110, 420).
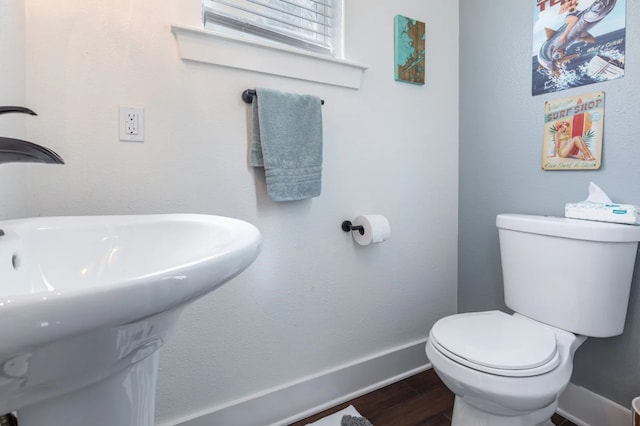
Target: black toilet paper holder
(347, 226)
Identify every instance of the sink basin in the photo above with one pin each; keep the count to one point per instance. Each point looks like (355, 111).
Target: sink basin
(86, 302)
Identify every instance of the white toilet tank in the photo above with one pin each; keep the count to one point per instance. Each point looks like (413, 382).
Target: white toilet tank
(569, 273)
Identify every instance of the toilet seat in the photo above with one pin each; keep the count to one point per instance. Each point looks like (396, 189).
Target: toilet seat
(497, 343)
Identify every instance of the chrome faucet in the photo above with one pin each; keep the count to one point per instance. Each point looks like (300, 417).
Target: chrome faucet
(20, 151)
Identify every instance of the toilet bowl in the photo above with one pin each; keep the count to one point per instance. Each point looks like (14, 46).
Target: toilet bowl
(504, 369)
(509, 369)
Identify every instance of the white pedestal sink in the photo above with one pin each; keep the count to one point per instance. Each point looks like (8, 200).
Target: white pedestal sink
(86, 302)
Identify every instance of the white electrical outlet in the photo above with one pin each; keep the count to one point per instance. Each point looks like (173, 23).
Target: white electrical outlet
(131, 124)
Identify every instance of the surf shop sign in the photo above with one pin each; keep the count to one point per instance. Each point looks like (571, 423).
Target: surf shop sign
(573, 129)
(577, 42)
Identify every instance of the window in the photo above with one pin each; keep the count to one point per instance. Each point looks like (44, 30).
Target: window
(313, 25)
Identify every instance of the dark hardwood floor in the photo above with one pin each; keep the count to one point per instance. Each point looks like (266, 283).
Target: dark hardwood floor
(420, 400)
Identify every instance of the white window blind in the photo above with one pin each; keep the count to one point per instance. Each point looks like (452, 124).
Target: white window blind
(313, 25)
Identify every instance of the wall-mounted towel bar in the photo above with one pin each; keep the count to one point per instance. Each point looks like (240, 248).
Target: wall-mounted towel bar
(247, 96)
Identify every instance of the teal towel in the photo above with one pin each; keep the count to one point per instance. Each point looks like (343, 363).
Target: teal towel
(287, 142)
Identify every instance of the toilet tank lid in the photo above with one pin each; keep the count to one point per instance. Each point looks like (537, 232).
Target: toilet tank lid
(578, 229)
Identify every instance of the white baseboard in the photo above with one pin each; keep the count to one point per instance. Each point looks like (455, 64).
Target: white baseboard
(300, 399)
(586, 408)
(297, 400)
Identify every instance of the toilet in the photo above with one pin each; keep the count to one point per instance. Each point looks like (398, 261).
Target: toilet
(566, 280)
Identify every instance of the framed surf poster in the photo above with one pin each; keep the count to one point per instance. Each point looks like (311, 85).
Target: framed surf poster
(573, 129)
(577, 42)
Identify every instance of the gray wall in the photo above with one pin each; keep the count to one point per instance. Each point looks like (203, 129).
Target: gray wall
(500, 150)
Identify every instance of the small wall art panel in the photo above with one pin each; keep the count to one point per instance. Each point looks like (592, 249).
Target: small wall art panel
(409, 50)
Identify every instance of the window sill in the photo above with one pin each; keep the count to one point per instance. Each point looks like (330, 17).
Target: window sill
(222, 49)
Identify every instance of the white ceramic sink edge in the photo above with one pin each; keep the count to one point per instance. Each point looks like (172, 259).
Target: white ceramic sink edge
(93, 271)
(86, 302)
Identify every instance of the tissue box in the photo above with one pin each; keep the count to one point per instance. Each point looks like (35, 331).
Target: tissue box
(604, 212)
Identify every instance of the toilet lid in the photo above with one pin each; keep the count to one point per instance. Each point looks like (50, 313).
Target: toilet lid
(497, 343)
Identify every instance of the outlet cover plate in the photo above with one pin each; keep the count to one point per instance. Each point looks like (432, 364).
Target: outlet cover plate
(131, 124)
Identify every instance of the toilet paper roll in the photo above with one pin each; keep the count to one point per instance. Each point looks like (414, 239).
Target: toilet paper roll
(376, 229)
